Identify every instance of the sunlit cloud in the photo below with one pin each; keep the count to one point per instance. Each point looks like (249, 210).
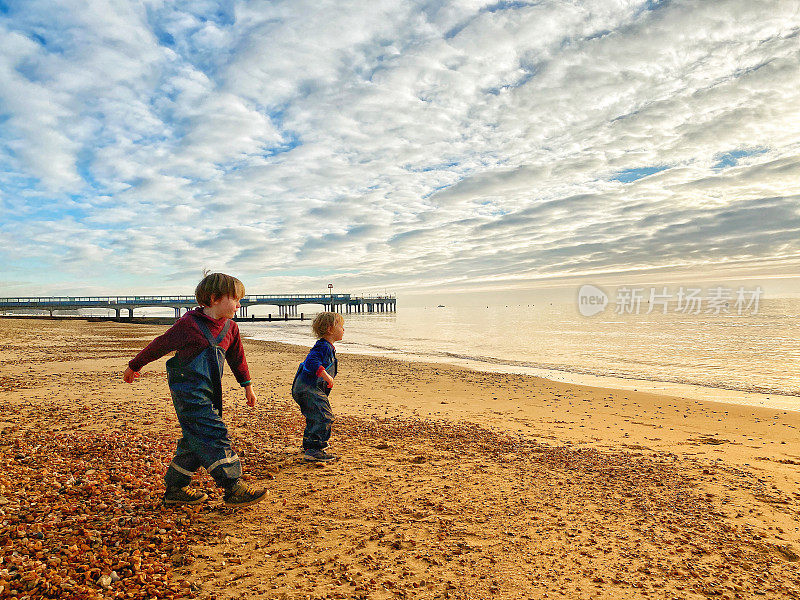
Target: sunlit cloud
(408, 146)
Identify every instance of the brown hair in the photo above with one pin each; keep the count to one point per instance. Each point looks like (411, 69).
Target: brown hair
(218, 284)
(324, 321)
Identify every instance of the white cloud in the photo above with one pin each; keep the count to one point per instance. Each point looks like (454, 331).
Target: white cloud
(408, 144)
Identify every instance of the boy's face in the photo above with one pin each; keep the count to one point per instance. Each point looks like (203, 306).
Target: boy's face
(336, 332)
(225, 306)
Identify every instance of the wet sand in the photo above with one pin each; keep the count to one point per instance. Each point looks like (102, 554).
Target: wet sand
(451, 483)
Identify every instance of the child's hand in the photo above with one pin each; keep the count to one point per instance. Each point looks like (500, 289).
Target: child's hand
(328, 379)
(129, 375)
(250, 396)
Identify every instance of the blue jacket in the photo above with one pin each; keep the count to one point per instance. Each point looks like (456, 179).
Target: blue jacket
(323, 354)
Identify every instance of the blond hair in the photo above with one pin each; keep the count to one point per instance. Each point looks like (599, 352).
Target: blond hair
(218, 284)
(324, 321)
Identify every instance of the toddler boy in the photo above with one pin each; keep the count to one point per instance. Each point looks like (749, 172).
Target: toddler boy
(312, 385)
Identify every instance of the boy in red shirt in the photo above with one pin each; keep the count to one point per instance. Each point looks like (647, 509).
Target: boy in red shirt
(203, 339)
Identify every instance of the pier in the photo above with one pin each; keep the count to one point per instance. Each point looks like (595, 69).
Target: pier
(287, 303)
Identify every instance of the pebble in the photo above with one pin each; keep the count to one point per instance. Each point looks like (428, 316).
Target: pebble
(105, 528)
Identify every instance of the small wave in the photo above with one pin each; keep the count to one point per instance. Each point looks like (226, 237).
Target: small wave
(635, 370)
(751, 389)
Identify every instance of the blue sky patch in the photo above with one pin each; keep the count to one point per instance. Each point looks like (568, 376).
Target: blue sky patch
(629, 175)
(291, 142)
(434, 190)
(498, 6)
(731, 159)
(530, 73)
(651, 5)
(445, 166)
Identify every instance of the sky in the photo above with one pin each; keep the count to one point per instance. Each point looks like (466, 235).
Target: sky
(401, 146)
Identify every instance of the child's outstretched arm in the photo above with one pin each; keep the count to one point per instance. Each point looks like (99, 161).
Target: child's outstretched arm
(167, 342)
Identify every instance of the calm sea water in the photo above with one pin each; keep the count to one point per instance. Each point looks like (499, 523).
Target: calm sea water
(748, 359)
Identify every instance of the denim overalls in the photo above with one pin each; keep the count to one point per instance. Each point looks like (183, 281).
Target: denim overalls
(196, 389)
(314, 404)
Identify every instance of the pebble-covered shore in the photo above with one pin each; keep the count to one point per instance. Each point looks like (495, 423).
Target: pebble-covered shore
(80, 518)
(416, 507)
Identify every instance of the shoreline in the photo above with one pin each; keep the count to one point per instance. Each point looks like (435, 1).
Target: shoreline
(573, 375)
(687, 391)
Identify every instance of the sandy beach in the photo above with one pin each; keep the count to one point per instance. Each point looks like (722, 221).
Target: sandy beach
(451, 484)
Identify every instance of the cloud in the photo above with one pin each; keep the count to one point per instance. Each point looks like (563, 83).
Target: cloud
(411, 144)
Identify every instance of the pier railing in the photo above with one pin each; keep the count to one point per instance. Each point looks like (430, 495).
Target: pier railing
(158, 300)
(287, 303)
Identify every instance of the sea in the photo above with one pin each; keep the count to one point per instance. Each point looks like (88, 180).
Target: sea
(749, 357)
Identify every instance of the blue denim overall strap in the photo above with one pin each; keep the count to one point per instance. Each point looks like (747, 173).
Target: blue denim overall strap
(316, 408)
(216, 356)
(196, 389)
(333, 370)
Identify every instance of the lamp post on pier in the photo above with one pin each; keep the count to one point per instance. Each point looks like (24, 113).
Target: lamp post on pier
(330, 290)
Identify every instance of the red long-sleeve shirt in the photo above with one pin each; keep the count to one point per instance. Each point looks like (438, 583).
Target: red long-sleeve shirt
(188, 341)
